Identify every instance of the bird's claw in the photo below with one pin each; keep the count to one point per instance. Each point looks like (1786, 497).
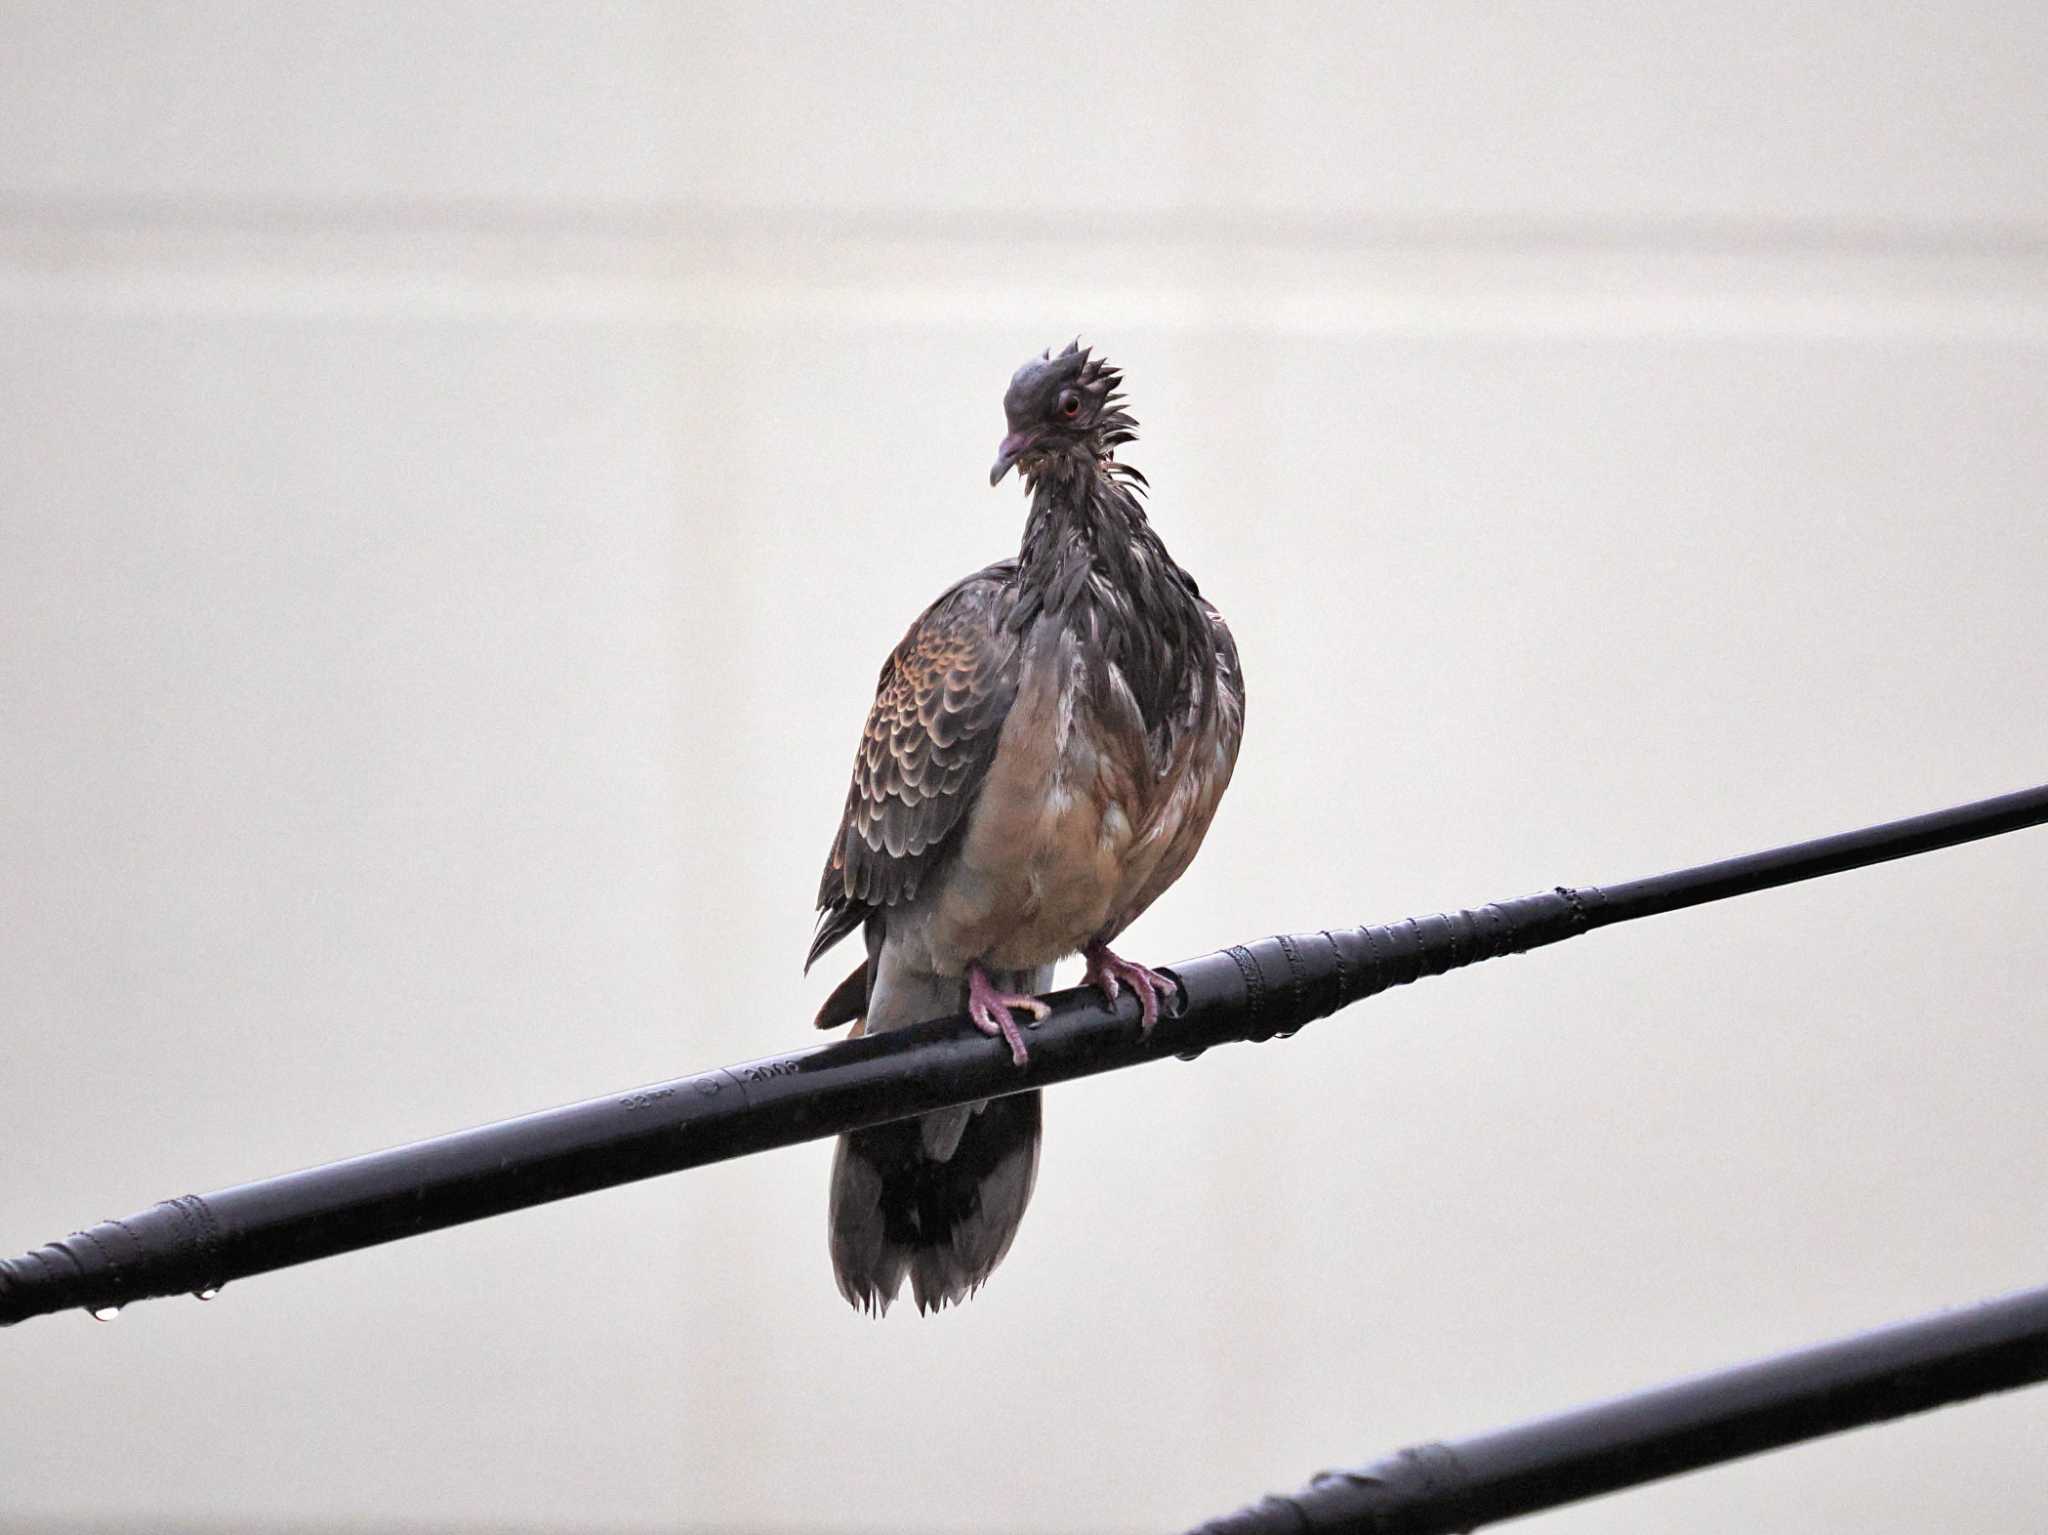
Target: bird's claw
(1109, 973)
(990, 1011)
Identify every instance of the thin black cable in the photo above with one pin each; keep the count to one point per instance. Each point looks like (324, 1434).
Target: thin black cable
(1462, 1484)
(197, 1243)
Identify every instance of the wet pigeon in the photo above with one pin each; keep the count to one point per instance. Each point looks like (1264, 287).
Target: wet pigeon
(1046, 750)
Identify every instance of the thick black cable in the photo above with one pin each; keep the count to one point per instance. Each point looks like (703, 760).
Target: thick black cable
(1256, 991)
(1462, 1484)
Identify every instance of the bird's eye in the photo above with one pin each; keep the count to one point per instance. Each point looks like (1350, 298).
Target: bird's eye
(1070, 404)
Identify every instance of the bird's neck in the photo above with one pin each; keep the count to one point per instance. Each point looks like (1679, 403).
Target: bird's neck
(1091, 560)
(1085, 522)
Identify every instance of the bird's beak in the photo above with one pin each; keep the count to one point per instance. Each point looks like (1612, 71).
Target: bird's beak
(1013, 448)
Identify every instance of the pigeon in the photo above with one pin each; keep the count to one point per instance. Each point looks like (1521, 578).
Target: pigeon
(1046, 750)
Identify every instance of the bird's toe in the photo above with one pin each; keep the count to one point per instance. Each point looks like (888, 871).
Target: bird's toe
(1109, 973)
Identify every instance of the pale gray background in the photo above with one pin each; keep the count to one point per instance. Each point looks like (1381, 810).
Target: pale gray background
(461, 466)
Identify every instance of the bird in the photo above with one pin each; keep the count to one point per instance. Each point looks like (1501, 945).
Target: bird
(1045, 753)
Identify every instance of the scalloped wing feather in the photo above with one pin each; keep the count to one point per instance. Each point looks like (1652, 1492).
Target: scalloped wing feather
(939, 708)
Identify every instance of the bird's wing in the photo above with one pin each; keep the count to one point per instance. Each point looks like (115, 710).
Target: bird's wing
(939, 709)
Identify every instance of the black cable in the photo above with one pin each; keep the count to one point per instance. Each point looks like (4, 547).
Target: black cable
(1461, 1484)
(1254, 991)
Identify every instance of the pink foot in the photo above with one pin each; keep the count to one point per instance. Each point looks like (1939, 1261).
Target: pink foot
(1109, 975)
(990, 1010)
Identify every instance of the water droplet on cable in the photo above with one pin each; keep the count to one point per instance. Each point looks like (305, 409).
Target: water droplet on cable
(206, 1294)
(105, 1313)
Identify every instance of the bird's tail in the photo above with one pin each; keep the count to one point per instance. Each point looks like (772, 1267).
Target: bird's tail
(937, 1198)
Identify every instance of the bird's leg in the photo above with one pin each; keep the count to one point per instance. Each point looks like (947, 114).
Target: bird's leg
(990, 1010)
(1108, 974)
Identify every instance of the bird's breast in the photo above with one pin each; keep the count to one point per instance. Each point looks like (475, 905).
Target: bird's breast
(1066, 827)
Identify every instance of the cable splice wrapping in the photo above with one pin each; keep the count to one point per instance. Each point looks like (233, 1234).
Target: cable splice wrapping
(168, 1249)
(1286, 982)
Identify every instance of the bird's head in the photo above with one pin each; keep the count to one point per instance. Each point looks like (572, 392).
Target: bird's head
(1064, 405)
